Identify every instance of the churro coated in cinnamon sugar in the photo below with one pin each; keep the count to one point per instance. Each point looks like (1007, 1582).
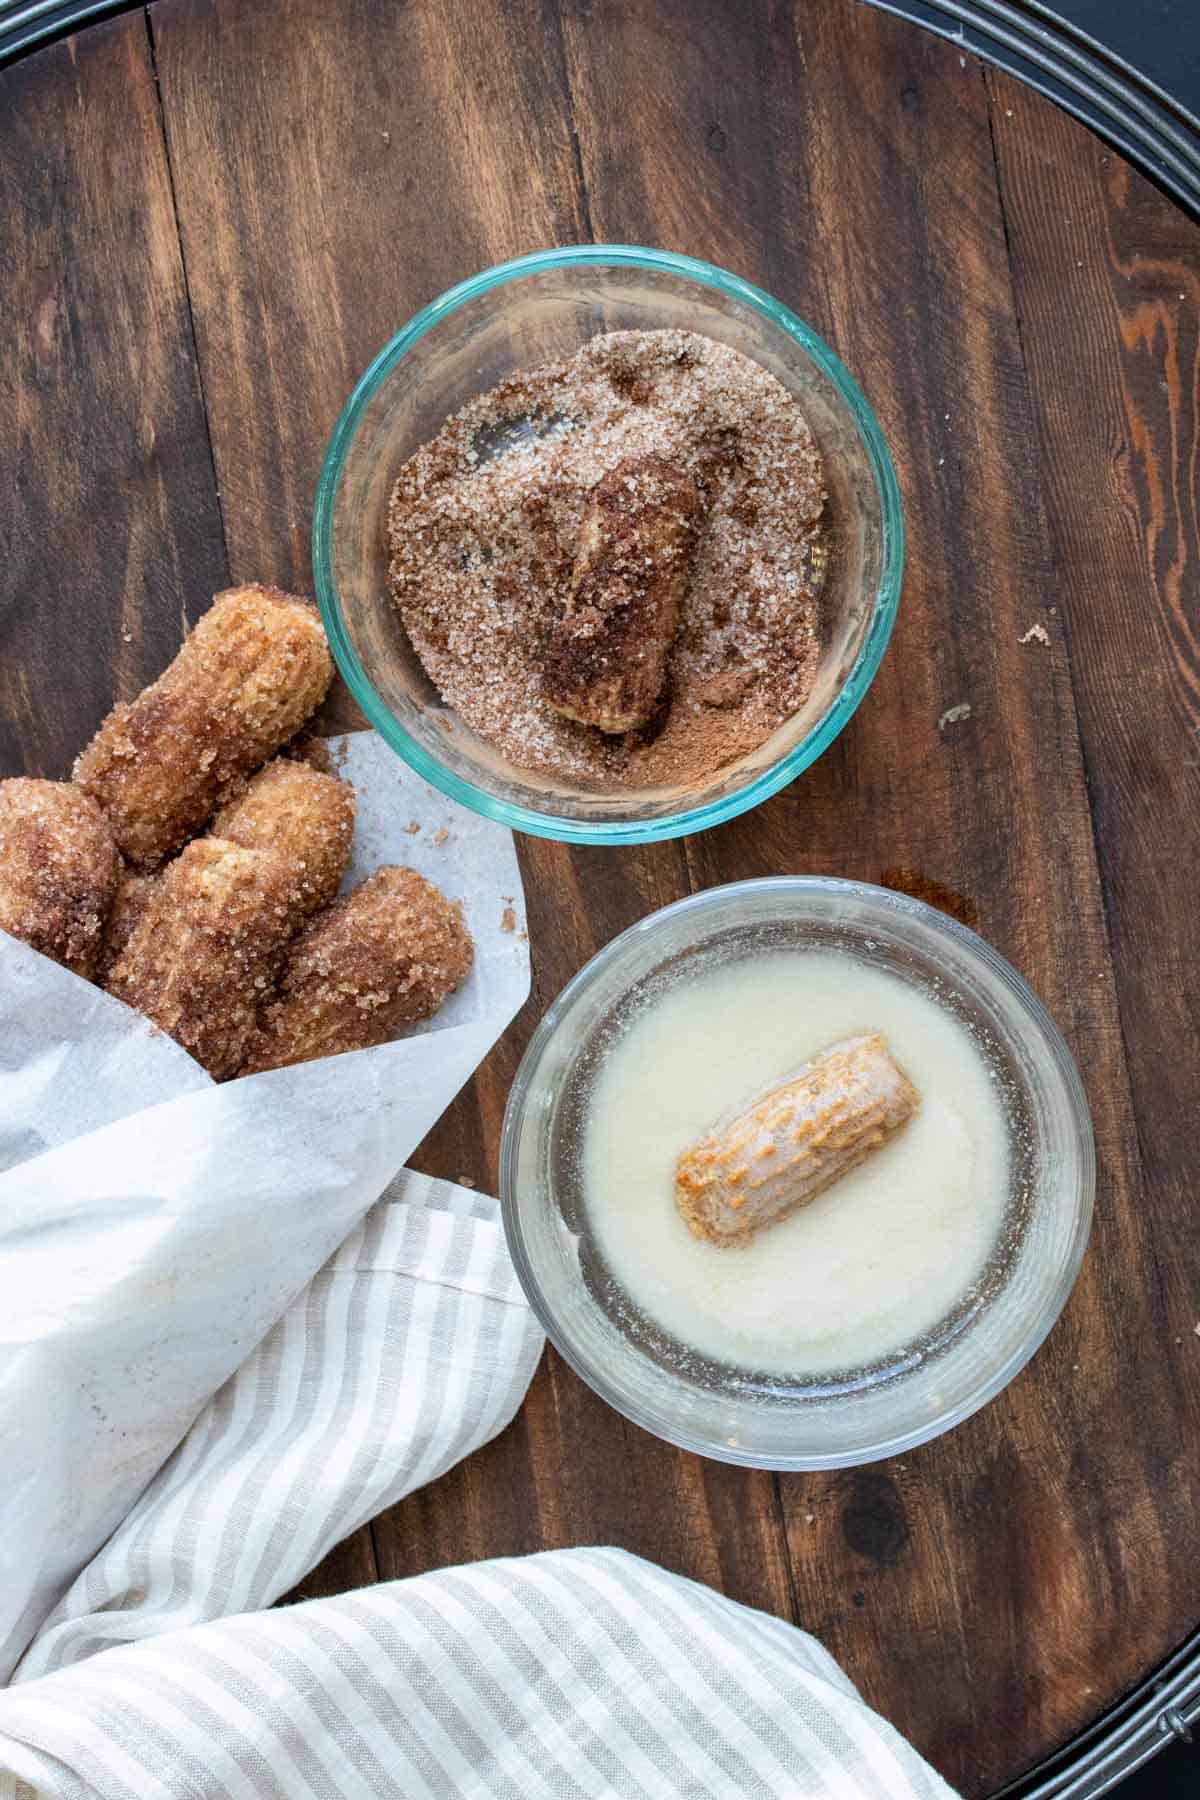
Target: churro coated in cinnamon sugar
(300, 814)
(192, 927)
(129, 903)
(58, 870)
(381, 959)
(255, 667)
(206, 950)
(605, 658)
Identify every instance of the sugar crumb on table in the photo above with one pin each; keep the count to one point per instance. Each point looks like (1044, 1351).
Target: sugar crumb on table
(953, 715)
(1035, 634)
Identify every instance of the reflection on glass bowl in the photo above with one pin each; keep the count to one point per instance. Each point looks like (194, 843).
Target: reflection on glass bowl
(515, 316)
(770, 1419)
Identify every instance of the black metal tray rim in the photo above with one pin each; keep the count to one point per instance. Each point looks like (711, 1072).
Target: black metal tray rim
(1162, 138)
(1163, 1709)
(1148, 125)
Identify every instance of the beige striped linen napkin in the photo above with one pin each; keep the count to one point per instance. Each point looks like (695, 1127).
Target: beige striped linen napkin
(571, 1674)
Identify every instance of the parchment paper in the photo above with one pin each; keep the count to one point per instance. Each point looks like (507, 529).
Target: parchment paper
(155, 1226)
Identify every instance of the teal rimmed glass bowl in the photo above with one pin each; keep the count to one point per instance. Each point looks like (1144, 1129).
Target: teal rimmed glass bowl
(514, 316)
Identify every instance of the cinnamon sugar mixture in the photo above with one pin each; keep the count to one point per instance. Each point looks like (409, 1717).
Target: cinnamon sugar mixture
(485, 519)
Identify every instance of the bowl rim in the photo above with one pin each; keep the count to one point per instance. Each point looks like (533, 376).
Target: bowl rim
(883, 607)
(1037, 1016)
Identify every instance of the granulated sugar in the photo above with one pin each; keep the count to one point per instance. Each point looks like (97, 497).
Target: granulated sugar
(483, 527)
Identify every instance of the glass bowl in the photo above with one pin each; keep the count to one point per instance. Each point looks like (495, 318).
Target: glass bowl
(512, 317)
(856, 1415)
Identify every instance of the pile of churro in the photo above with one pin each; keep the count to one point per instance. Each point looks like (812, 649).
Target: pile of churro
(192, 865)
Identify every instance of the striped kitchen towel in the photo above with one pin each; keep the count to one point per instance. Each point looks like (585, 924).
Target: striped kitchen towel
(572, 1674)
(412, 1347)
(566, 1676)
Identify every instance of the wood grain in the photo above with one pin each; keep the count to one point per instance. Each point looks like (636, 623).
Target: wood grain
(110, 534)
(1008, 294)
(390, 191)
(330, 181)
(1107, 287)
(966, 804)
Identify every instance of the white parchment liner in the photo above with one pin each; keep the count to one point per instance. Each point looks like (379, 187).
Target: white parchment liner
(154, 1226)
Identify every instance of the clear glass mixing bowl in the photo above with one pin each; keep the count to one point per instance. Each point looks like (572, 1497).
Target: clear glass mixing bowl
(512, 317)
(737, 1414)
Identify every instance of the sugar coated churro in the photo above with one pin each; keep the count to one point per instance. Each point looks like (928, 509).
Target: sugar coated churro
(58, 870)
(606, 656)
(130, 901)
(249, 675)
(206, 950)
(300, 814)
(385, 957)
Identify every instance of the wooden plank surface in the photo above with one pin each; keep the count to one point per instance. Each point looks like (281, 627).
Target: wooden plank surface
(1007, 292)
(884, 1561)
(110, 533)
(1107, 286)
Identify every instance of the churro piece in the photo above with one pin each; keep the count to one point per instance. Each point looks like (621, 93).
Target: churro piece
(249, 675)
(300, 814)
(605, 658)
(124, 915)
(207, 948)
(383, 958)
(58, 870)
(794, 1142)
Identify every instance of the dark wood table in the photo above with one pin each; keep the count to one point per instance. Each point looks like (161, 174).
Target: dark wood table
(213, 213)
